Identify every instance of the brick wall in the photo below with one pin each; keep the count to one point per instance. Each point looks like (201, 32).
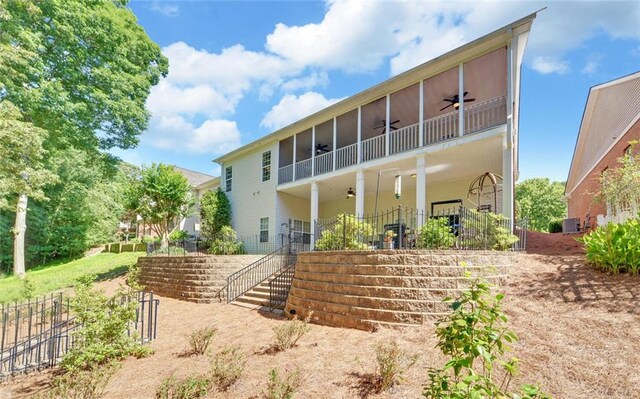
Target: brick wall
(583, 198)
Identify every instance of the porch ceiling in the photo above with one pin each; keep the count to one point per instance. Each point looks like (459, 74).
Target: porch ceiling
(448, 164)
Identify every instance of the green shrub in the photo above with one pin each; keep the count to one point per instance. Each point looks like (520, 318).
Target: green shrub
(186, 388)
(391, 364)
(288, 333)
(555, 226)
(199, 340)
(485, 230)
(436, 234)
(475, 338)
(226, 243)
(178, 235)
(615, 247)
(102, 337)
(348, 232)
(227, 367)
(282, 387)
(82, 384)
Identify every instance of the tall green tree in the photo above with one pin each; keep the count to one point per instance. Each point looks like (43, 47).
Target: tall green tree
(540, 200)
(80, 70)
(22, 172)
(161, 197)
(215, 212)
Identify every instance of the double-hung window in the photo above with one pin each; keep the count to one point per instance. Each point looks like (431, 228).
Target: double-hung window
(264, 229)
(266, 166)
(228, 175)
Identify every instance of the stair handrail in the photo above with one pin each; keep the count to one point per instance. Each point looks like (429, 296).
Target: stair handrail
(253, 274)
(283, 279)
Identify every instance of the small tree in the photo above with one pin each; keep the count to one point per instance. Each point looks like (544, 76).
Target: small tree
(475, 338)
(215, 212)
(160, 197)
(22, 172)
(540, 200)
(620, 187)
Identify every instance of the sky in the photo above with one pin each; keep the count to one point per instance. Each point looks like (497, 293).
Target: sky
(239, 70)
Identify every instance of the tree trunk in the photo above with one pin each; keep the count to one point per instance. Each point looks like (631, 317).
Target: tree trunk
(19, 232)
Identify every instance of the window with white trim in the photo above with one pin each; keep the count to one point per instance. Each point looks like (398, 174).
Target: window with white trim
(301, 232)
(266, 166)
(264, 229)
(228, 175)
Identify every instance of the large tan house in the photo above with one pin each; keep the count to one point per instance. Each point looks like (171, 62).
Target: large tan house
(610, 122)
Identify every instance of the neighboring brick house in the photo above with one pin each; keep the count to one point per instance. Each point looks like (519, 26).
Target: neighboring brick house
(611, 120)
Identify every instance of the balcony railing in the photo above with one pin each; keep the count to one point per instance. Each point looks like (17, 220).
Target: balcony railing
(347, 156)
(303, 169)
(404, 139)
(477, 117)
(324, 163)
(373, 148)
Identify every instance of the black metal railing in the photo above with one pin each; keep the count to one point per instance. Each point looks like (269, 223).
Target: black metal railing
(245, 279)
(280, 286)
(249, 244)
(405, 228)
(36, 334)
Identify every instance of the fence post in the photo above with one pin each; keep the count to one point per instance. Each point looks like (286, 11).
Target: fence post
(344, 231)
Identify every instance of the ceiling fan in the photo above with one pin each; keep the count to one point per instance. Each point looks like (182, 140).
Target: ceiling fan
(322, 148)
(455, 101)
(383, 125)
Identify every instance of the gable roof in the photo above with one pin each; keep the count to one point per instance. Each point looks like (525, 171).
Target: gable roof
(432, 67)
(194, 178)
(611, 109)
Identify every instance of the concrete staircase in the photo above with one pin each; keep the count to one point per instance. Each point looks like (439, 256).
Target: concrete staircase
(258, 298)
(369, 290)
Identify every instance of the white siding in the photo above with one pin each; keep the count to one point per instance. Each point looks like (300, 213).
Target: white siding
(250, 197)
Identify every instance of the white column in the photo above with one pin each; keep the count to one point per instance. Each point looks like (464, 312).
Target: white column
(360, 193)
(421, 116)
(314, 211)
(294, 157)
(313, 151)
(335, 141)
(507, 178)
(421, 189)
(387, 127)
(507, 145)
(359, 149)
(461, 99)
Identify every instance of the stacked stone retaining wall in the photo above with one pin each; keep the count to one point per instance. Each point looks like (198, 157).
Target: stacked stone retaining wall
(366, 290)
(191, 278)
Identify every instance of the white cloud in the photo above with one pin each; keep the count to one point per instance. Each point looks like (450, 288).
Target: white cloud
(166, 98)
(590, 68)
(315, 79)
(547, 65)
(170, 10)
(292, 108)
(359, 36)
(178, 134)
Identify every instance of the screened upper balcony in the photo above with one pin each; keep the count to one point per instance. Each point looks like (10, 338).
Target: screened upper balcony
(431, 111)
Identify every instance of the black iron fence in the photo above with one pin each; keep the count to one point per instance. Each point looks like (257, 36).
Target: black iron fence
(245, 279)
(405, 228)
(36, 334)
(250, 244)
(279, 287)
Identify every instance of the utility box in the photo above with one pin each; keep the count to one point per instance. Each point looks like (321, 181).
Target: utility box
(571, 225)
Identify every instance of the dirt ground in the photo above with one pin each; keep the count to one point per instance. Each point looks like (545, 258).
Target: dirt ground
(579, 335)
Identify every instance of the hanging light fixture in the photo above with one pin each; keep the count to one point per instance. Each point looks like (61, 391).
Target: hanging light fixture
(398, 187)
(351, 193)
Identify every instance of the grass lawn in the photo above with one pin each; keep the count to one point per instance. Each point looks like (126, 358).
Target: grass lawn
(46, 279)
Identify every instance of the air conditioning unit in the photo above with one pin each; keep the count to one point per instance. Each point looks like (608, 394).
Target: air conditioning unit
(571, 225)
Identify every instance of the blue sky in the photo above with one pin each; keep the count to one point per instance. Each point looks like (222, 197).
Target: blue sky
(240, 69)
